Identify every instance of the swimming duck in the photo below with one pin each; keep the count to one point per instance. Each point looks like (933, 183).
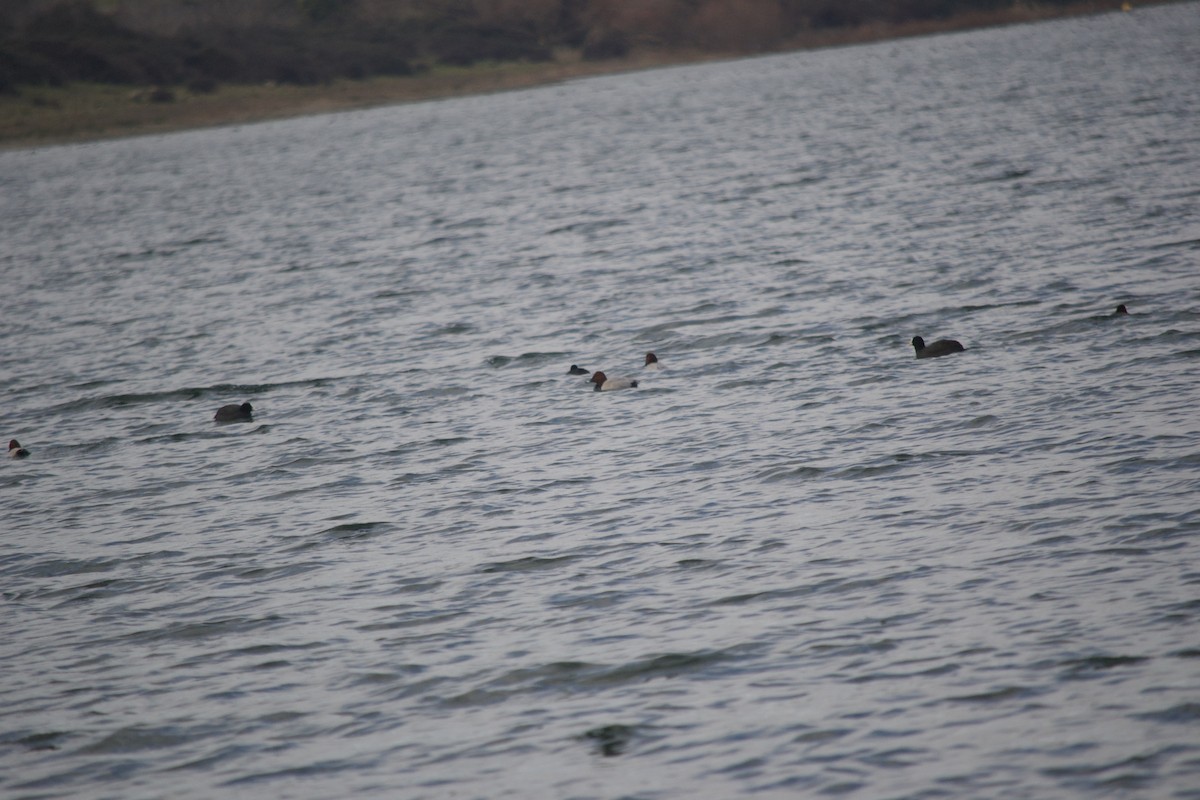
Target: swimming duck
(942, 347)
(577, 370)
(606, 384)
(652, 362)
(1121, 311)
(234, 413)
(15, 450)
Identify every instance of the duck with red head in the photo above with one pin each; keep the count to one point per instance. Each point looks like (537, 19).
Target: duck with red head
(652, 362)
(942, 347)
(15, 450)
(607, 384)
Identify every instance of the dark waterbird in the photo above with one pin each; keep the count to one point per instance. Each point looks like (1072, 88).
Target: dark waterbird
(234, 413)
(1121, 311)
(577, 370)
(15, 450)
(611, 739)
(942, 347)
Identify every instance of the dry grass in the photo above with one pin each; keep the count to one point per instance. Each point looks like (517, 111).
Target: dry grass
(90, 111)
(47, 115)
(1018, 13)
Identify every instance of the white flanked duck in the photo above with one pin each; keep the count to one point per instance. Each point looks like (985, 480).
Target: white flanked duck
(607, 384)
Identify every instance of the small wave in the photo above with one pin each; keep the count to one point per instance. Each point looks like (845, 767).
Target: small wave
(1131, 773)
(136, 739)
(55, 568)
(817, 737)
(666, 665)
(527, 564)
(94, 591)
(1011, 174)
(1093, 666)
(1182, 714)
(802, 472)
(144, 255)
(349, 532)
(750, 597)
(469, 223)
(316, 769)
(356, 529)
(174, 438)
(588, 228)
(192, 631)
(259, 575)
(448, 329)
(1190, 244)
(698, 563)
(188, 393)
(398, 294)
(526, 359)
(437, 241)
(39, 741)
(984, 421)
(1000, 695)
(1186, 354)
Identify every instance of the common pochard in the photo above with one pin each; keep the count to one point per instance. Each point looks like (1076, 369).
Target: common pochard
(607, 384)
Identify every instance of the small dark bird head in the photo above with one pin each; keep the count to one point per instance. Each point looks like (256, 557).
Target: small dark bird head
(246, 408)
(651, 358)
(918, 343)
(1121, 311)
(577, 370)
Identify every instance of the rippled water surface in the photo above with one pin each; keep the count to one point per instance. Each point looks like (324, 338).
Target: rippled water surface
(796, 562)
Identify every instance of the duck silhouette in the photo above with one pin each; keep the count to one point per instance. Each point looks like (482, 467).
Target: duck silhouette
(942, 347)
(234, 413)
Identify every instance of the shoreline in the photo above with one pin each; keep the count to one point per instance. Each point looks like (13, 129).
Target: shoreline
(45, 116)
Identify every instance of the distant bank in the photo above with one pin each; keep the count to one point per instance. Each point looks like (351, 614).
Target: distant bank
(75, 112)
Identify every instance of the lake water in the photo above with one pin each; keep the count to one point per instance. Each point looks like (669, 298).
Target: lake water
(797, 562)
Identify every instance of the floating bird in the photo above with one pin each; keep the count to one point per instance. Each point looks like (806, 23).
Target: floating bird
(1121, 311)
(15, 450)
(234, 413)
(942, 347)
(606, 384)
(577, 370)
(652, 362)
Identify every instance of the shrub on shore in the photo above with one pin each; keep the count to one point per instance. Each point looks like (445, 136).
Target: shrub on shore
(306, 42)
(73, 41)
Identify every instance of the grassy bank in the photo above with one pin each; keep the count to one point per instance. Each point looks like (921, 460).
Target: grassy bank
(84, 111)
(80, 112)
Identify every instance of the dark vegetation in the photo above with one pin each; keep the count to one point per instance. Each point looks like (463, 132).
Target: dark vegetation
(199, 44)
